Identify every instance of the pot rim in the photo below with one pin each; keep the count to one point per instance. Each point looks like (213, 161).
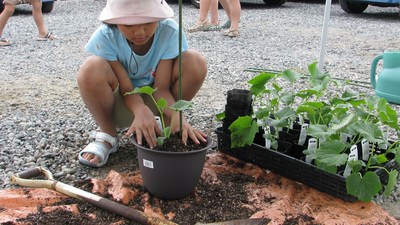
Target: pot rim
(209, 143)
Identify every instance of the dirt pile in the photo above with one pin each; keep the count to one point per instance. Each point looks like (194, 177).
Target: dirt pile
(229, 189)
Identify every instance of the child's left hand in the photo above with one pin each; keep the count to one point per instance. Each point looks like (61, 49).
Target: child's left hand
(187, 130)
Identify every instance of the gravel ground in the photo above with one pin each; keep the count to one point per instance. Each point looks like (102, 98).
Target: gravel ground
(44, 122)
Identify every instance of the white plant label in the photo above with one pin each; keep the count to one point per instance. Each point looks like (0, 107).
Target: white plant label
(303, 134)
(353, 156)
(345, 136)
(312, 146)
(301, 119)
(268, 142)
(148, 164)
(365, 149)
(385, 137)
(321, 140)
(158, 121)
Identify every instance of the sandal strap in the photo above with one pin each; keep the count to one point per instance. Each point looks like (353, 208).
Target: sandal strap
(101, 136)
(98, 149)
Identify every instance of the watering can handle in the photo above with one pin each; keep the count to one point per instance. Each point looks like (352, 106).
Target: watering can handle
(373, 70)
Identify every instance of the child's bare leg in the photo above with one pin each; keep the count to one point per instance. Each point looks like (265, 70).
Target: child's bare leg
(38, 17)
(96, 82)
(5, 15)
(194, 72)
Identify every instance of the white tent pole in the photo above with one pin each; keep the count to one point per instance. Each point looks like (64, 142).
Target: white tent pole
(325, 25)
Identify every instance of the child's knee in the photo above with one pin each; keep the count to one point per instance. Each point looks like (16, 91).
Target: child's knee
(196, 63)
(89, 66)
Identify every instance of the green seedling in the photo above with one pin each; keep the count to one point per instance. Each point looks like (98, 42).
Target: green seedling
(161, 106)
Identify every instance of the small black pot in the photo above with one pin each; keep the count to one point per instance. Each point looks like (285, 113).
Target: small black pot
(239, 98)
(170, 175)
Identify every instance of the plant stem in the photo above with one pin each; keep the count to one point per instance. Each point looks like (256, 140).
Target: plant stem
(180, 64)
(161, 116)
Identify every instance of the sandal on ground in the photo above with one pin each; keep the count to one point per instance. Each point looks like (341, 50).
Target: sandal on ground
(226, 25)
(213, 28)
(4, 42)
(49, 36)
(200, 26)
(231, 33)
(100, 149)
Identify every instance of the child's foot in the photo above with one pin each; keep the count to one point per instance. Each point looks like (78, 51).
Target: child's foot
(48, 36)
(4, 42)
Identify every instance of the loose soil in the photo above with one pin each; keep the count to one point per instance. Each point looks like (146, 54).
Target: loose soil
(209, 203)
(228, 190)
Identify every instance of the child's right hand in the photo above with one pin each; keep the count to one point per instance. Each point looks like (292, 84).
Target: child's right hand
(144, 125)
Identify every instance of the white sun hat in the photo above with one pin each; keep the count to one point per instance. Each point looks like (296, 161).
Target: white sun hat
(132, 12)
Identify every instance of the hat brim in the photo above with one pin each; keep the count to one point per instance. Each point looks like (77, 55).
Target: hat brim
(131, 20)
(109, 16)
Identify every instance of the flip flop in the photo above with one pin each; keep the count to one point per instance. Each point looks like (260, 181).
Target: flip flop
(4, 42)
(49, 36)
(100, 149)
(231, 33)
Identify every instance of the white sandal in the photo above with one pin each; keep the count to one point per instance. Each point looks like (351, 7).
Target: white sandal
(100, 149)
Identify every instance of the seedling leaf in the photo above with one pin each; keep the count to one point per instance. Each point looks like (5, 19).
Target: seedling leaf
(391, 182)
(144, 90)
(243, 130)
(363, 187)
(330, 153)
(259, 81)
(220, 116)
(181, 105)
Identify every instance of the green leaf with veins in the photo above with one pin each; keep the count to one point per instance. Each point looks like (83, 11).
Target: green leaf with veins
(243, 130)
(363, 187)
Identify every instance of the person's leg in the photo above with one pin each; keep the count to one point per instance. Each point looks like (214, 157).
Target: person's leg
(38, 17)
(97, 82)
(39, 21)
(5, 15)
(202, 22)
(194, 72)
(235, 10)
(214, 12)
(226, 6)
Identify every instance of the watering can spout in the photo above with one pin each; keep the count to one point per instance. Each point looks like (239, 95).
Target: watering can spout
(387, 83)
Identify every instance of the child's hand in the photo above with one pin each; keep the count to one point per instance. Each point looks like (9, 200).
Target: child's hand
(187, 130)
(144, 125)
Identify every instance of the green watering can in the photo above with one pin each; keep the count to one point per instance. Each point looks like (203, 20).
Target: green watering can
(387, 84)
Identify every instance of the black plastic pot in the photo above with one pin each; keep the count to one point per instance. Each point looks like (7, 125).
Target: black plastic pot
(239, 98)
(171, 175)
(238, 103)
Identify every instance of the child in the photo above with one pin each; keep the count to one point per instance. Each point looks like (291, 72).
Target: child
(136, 46)
(9, 7)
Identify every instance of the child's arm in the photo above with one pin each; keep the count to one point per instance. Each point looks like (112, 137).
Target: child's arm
(144, 124)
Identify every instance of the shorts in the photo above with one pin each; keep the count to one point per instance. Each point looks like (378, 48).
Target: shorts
(123, 117)
(17, 2)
